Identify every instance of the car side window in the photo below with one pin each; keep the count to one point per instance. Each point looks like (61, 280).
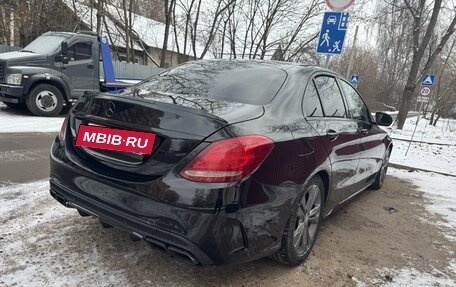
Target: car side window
(80, 51)
(331, 97)
(311, 104)
(356, 106)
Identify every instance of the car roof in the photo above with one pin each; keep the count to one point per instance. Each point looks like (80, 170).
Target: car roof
(278, 64)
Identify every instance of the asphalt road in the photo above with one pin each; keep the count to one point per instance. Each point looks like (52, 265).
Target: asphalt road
(45, 244)
(24, 157)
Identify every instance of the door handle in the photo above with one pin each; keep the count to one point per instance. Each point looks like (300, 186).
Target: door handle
(363, 131)
(332, 135)
(90, 66)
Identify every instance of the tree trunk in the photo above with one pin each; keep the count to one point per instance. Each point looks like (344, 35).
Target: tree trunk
(195, 28)
(418, 52)
(130, 31)
(127, 34)
(168, 8)
(99, 16)
(431, 120)
(436, 120)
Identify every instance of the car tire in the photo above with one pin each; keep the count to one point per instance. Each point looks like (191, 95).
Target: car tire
(15, 106)
(381, 174)
(45, 100)
(305, 222)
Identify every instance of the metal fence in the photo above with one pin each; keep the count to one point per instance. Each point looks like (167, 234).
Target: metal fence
(121, 69)
(5, 48)
(133, 71)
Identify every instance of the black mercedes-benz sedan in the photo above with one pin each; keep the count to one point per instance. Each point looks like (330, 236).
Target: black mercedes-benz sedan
(219, 161)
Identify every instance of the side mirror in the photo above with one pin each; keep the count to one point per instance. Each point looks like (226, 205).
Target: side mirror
(383, 119)
(61, 59)
(64, 48)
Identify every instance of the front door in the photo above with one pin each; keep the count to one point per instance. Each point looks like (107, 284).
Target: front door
(371, 137)
(81, 70)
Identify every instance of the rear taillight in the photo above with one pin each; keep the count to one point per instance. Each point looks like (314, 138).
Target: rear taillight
(228, 160)
(63, 129)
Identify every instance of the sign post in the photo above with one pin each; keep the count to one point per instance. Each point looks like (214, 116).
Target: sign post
(425, 93)
(428, 80)
(333, 29)
(339, 5)
(354, 80)
(425, 89)
(332, 33)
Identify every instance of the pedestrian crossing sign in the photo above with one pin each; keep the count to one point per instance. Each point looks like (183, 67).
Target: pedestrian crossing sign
(428, 80)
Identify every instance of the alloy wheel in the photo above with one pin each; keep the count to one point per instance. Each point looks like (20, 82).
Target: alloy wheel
(308, 217)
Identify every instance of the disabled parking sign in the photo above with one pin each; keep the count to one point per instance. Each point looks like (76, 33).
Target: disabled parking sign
(332, 33)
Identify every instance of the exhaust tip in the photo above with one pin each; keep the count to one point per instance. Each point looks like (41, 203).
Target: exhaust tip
(83, 213)
(183, 256)
(135, 236)
(105, 225)
(59, 198)
(172, 251)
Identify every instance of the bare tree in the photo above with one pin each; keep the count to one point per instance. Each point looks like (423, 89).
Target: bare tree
(446, 88)
(169, 6)
(420, 44)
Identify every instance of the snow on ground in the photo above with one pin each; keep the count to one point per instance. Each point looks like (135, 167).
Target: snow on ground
(406, 277)
(30, 258)
(13, 121)
(443, 133)
(441, 192)
(440, 156)
(425, 156)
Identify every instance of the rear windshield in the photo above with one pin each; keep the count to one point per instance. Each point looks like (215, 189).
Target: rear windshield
(234, 81)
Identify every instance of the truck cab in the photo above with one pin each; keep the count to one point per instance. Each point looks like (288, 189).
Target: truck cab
(54, 69)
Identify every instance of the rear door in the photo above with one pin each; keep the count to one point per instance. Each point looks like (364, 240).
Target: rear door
(81, 69)
(372, 147)
(325, 110)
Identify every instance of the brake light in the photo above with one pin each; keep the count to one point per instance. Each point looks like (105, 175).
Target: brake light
(63, 129)
(228, 160)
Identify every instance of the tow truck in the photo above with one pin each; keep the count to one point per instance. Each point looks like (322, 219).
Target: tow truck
(56, 69)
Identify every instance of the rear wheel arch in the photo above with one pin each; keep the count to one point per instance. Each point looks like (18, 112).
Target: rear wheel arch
(287, 254)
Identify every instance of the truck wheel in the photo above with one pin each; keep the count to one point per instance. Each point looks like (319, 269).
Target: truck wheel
(15, 106)
(45, 100)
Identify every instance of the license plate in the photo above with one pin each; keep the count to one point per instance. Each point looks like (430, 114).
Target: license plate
(115, 139)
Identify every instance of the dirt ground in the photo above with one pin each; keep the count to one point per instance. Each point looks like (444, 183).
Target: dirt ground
(44, 244)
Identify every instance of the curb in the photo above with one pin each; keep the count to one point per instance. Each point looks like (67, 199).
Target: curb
(424, 142)
(409, 168)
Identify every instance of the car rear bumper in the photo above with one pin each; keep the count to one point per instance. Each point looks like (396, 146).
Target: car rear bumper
(157, 238)
(10, 93)
(196, 236)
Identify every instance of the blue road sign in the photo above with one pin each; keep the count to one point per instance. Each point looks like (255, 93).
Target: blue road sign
(428, 80)
(332, 33)
(354, 79)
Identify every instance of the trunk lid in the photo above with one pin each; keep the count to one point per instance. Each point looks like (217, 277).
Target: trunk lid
(180, 125)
